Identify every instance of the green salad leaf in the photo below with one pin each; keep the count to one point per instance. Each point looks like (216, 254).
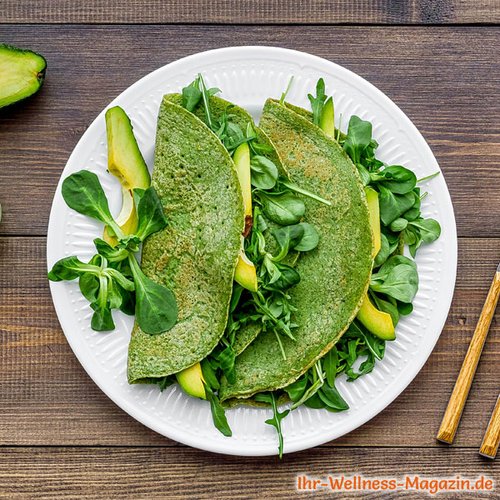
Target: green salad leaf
(282, 208)
(277, 417)
(113, 279)
(318, 101)
(264, 172)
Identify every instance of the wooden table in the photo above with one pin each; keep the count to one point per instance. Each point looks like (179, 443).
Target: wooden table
(438, 60)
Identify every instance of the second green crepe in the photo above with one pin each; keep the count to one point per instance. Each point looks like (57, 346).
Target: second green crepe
(334, 276)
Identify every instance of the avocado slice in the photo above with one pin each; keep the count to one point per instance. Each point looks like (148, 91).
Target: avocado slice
(377, 322)
(374, 212)
(125, 160)
(22, 73)
(127, 218)
(327, 119)
(245, 273)
(241, 160)
(191, 380)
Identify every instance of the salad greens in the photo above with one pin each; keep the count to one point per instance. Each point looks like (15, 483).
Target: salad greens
(394, 281)
(277, 237)
(113, 279)
(276, 203)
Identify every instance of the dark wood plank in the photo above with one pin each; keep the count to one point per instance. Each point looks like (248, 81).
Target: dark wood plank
(252, 11)
(47, 473)
(46, 393)
(445, 79)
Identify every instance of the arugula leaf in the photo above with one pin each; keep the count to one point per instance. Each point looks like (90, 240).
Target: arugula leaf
(165, 382)
(375, 344)
(205, 95)
(297, 189)
(218, 413)
(277, 417)
(315, 402)
(209, 375)
(330, 362)
(318, 101)
(332, 398)
(226, 360)
(197, 92)
(296, 390)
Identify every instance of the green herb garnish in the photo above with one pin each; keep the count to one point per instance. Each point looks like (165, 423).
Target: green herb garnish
(113, 279)
(277, 417)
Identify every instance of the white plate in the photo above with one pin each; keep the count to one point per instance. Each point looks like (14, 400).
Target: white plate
(247, 76)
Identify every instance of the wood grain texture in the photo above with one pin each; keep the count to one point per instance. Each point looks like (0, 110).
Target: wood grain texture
(252, 11)
(453, 413)
(47, 473)
(434, 74)
(444, 78)
(491, 439)
(45, 391)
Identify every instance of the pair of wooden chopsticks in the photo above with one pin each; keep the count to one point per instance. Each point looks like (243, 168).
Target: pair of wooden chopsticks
(451, 418)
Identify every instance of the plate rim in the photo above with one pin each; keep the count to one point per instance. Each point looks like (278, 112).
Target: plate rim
(150, 420)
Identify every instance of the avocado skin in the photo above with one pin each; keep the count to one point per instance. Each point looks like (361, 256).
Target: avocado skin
(22, 73)
(125, 160)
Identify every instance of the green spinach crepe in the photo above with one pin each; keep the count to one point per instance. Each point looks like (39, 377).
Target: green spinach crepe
(196, 254)
(334, 276)
(241, 118)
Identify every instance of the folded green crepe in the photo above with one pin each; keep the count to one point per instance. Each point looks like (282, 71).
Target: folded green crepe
(240, 117)
(334, 276)
(196, 254)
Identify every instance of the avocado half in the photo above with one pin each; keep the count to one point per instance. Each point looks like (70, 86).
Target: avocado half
(22, 73)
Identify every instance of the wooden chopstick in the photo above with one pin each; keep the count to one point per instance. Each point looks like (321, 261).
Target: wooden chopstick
(491, 439)
(451, 419)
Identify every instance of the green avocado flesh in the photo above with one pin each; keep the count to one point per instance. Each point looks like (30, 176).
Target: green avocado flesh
(21, 74)
(334, 276)
(196, 254)
(125, 160)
